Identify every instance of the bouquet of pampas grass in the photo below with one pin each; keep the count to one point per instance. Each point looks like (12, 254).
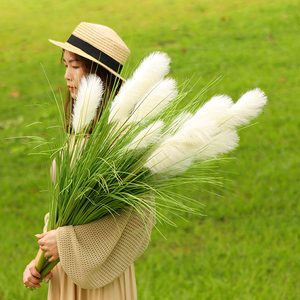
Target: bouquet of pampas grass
(144, 144)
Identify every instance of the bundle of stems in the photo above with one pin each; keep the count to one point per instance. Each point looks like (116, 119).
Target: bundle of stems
(144, 144)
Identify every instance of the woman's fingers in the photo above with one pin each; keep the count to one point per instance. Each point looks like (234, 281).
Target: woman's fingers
(42, 241)
(52, 254)
(32, 282)
(48, 244)
(30, 276)
(48, 277)
(53, 257)
(34, 272)
(39, 236)
(47, 238)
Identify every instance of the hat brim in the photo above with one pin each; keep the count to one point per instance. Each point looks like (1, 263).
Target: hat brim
(71, 48)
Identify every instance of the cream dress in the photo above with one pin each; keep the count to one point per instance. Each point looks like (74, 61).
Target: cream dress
(62, 287)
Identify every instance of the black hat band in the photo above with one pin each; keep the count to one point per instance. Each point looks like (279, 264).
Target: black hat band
(95, 53)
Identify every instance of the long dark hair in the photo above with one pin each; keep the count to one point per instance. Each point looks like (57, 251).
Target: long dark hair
(111, 84)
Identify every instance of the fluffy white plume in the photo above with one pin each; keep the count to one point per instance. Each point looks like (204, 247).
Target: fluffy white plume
(228, 115)
(155, 101)
(221, 143)
(248, 107)
(176, 152)
(168, 158)
(179, 121)
(152, 69)
(147, 136)
(216, 108)
(196, 131)
(88, 99)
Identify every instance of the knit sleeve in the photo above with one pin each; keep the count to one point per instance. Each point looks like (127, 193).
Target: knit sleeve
(94, 254)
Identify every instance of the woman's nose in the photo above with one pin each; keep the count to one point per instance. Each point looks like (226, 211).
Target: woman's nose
(67, 74)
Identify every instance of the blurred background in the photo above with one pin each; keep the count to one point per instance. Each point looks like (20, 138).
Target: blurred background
(247, 244)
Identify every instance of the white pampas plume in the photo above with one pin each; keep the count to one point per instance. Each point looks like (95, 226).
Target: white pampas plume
(169, 158)
(155, 101)
(152, 69)
(221, 143)
(248, 107)
(207, 134)
(179, 121)
(216, 107)
(88, 100)
(147, 136)
(176, 153)
(196, 131)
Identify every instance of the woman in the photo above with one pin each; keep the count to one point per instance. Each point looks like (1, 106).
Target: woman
(96, 259)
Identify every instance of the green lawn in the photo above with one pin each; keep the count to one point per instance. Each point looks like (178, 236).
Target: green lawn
(247, 245)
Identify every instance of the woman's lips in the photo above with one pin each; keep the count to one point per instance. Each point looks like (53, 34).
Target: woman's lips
(71, 88)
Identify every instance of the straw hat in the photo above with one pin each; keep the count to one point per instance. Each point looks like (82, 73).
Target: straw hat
(98, 43)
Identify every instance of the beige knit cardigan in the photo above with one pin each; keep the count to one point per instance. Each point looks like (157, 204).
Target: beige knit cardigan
(95, 254)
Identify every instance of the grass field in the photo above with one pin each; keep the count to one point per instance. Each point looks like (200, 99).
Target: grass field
(247, 246)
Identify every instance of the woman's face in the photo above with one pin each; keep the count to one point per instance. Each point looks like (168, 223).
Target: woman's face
(74, 72)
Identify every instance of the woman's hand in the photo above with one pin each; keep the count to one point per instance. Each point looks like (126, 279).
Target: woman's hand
(31, 276)
(48, 244)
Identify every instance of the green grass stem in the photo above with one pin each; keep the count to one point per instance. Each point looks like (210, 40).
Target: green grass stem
(48, 268)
